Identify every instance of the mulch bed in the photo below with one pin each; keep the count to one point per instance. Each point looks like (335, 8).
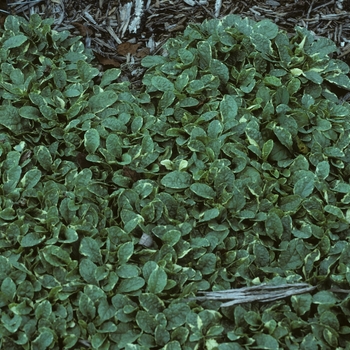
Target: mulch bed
(122, 32)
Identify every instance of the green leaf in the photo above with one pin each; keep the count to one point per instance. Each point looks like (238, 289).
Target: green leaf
(293, 86)
(105, 310)
(73, 90)
(43, 310)
(131, 220)
(171, 237)
(307, 101)
(176, 314)
(59, 78)
(14, 41)
(321, 47)
(284, 136)
(151, 61)
(97, 340)
(32, 239)
(12, 24)
(309, 342)
(331, 209)
(17, 77)
(90, 248)
(186, 56)
(252, 318)
(11, 324)
(48, 112)
(8, 214)
(324, 297)
(44, 158)
(30, 178)
(44, 339)
(205, 54)
(102, 100)
(214, 129)
(130, 285)
(262, 257)
(272, 81)
(310, 261)
(157, 280)
(333, 152)
(176, 180)
(114, 145)
(290, 204)
(203, 190)
(109, 76)
(181, 81)
(56, 256)
(37, 99)
(341, 80)
(86, 71)
(328, 318)
(273, 226)
(313, 76)
(166, 100)
(161, 335)
(301, 303)
(10, 118)
(8, 288)
(304, 186)
(29, 112)
(162, 84)
(209, 215)
(11, 179)
(266, 341)
(91, 140)
(322, 169)
(267, 27)
(220, 70)
(146, 322)
(266, 149)
(173, 345)
(125, 252)
(293, 255)
(261, 43)
(125, 335)
(228, 108)
(128, 271)
(151, 303)
(87, 270)
(86, 306)
(207, 263)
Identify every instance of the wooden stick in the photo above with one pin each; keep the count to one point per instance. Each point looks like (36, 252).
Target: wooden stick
(262, 293)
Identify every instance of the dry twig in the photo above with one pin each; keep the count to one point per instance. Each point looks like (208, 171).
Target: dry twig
(262, 293)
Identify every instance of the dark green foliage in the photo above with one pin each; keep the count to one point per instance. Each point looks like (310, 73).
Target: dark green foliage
(233, 160)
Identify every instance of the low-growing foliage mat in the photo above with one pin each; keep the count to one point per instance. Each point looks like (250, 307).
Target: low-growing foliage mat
(233, 159)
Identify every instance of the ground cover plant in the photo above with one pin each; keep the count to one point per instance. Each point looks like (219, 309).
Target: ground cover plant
(232, 161)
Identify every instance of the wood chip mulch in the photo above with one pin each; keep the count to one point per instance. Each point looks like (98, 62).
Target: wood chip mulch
(122, 32)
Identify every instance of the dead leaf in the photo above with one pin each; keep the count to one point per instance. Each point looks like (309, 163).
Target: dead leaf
(3, 5)
(145, 51)
(132, 174)
(105, 61)
(83, 29)
(127, 48)
(81, 160)
(2, 20)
